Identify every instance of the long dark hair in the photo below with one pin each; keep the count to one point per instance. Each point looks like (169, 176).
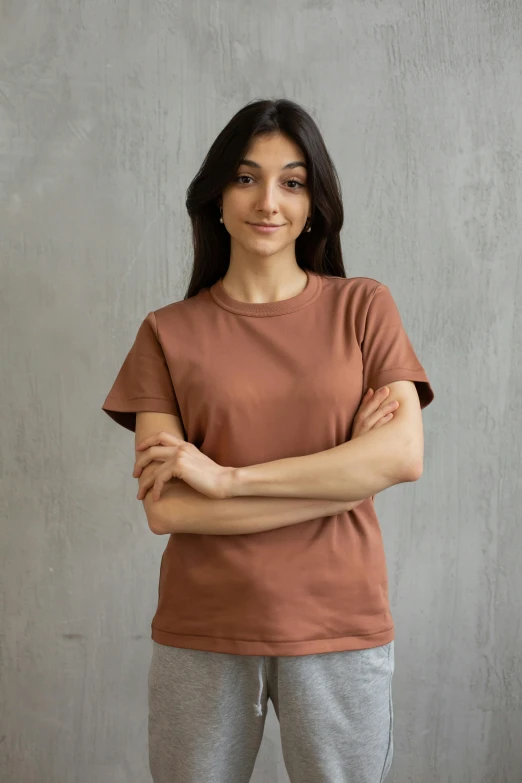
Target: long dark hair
(318, 249)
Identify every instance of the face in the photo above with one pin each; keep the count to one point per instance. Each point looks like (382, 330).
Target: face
(270, 186)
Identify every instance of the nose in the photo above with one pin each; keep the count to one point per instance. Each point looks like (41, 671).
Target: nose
(267, 198)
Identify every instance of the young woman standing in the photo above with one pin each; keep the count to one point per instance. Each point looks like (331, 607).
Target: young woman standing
(260, 446)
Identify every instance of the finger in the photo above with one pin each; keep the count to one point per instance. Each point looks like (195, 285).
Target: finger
(151, 440)
(156, 439)
(158, 486)
(382, 421)
(382, 393)
(145, 486)
(387, 407)
(143, 489)
(140, 465)
(159, 438)
(145, 483)
(370, 405)
(160, 477)
(373, 421)
(155, 453)
(381, 404)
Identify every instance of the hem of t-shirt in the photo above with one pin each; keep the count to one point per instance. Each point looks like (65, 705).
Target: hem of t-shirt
(388, 375)
(391, 374)
(140, 404)
(250, 647)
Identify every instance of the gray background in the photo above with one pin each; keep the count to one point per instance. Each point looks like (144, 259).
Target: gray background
(107, 109)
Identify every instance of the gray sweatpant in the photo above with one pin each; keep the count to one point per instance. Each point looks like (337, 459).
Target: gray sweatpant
(207, 713)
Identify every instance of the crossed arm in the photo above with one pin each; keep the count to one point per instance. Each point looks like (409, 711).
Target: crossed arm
(287, 491)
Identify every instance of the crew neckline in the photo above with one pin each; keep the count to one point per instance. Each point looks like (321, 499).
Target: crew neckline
(262, 309)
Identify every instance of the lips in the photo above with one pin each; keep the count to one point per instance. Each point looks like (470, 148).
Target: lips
(263, 228)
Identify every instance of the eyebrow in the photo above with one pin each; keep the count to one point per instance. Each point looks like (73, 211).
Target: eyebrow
(295, 164)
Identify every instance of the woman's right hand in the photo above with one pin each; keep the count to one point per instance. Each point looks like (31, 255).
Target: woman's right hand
(373, 411)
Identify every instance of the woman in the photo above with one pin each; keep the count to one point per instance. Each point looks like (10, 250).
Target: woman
(260, 446)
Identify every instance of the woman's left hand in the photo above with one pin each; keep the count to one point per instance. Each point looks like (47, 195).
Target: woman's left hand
(181, 460)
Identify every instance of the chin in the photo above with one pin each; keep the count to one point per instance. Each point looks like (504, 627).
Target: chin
(265, 250)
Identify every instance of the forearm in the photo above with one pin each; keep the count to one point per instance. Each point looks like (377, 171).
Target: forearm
(353, 471)
(182, 509)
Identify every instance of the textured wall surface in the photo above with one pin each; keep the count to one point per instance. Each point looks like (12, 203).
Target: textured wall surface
(107, 110)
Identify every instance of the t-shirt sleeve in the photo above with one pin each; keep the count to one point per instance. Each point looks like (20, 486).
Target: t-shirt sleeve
(144, 382)
(387, 352)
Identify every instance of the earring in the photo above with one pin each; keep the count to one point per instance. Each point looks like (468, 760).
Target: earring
(221, 218)
(309, 226)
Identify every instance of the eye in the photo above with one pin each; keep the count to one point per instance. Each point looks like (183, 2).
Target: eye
(247, 176)
(300, 184)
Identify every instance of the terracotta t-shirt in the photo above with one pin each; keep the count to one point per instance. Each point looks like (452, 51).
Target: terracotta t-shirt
(254, 383)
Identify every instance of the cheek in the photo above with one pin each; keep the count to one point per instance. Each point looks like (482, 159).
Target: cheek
(298, 209)
(236, 204)
(297, 217)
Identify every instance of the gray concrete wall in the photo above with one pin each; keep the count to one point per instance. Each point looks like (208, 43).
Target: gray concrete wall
(107, 109)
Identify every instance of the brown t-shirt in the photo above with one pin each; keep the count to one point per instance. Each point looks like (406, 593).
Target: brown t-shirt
(254, 383)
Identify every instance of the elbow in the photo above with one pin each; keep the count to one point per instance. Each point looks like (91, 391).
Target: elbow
(155, 528)
(155, 524)
(411, 462)
(413, 469)
(154, 516)
(417, 461)
(414, 473)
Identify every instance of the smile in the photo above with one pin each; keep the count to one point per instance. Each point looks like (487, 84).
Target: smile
(264, 229)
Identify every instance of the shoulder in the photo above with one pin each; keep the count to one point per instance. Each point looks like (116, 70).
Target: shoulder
(182, 309)
(362, 286)
(354, 293)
